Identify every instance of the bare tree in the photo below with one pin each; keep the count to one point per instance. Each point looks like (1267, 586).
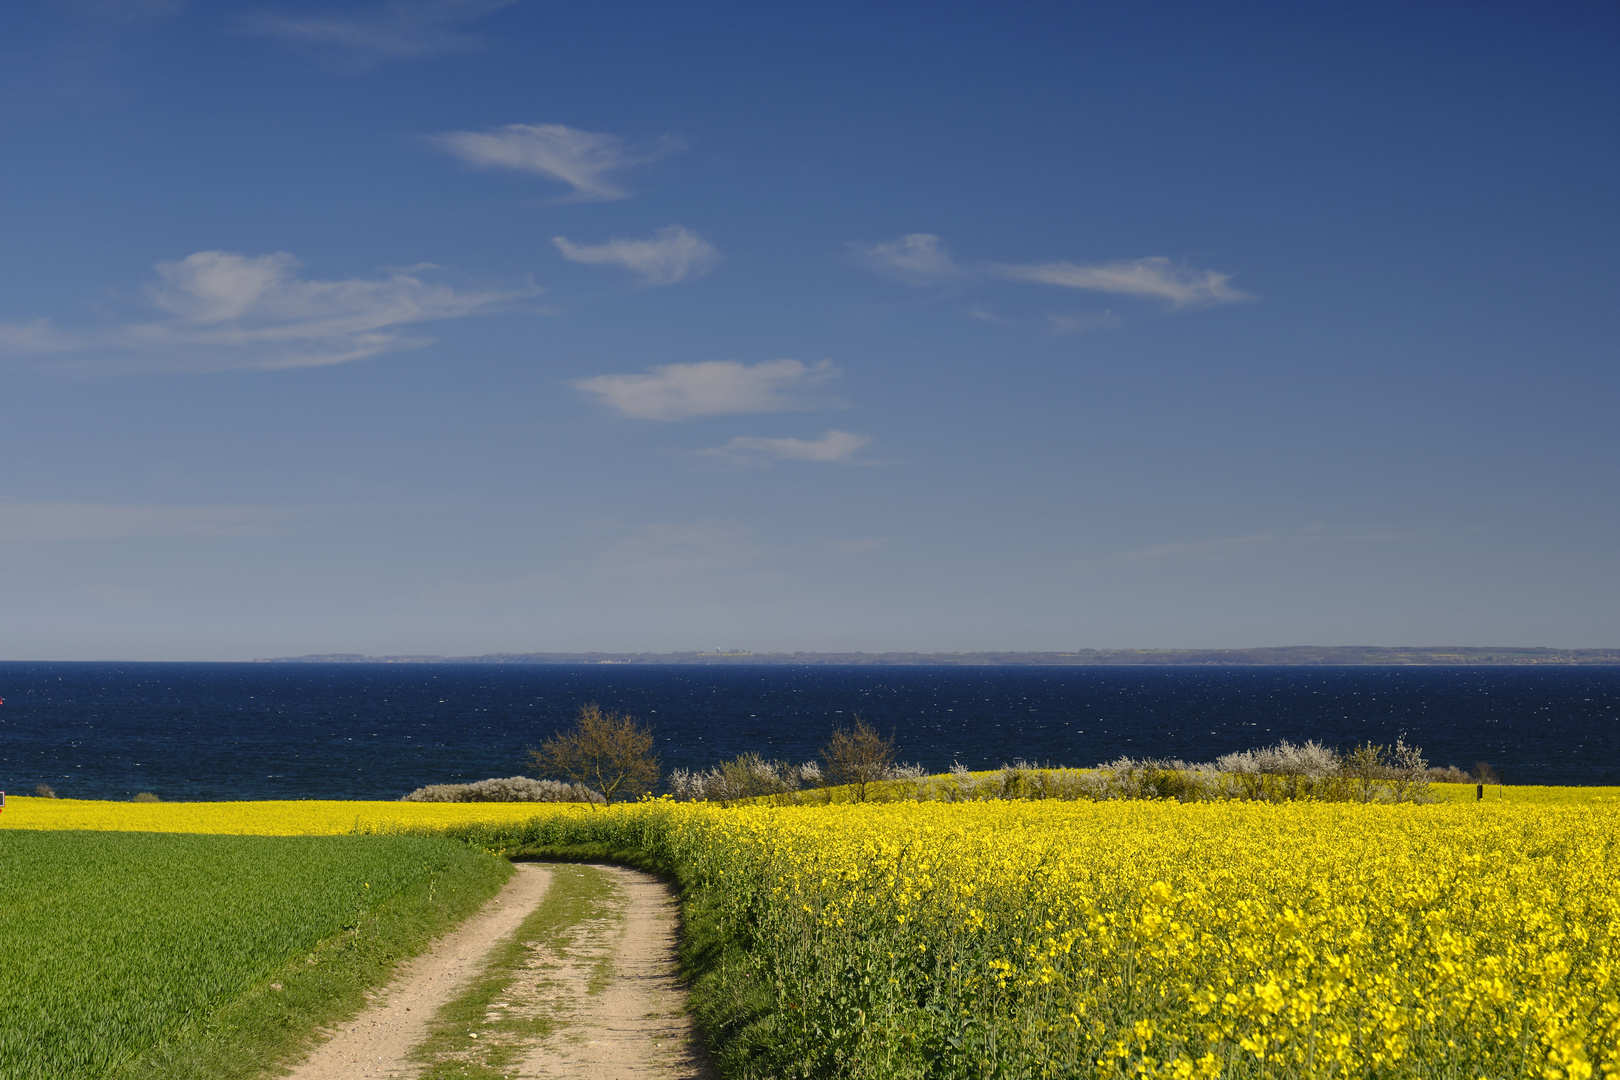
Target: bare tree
(609, 752)
(858, 756)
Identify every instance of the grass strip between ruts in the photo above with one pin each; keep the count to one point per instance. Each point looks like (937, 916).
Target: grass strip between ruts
(474, 1037)
(732, 1008)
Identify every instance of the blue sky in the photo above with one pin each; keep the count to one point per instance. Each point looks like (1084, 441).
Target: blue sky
(454, 327)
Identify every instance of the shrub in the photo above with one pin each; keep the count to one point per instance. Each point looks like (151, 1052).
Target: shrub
(746, 776)
(1282, 773)
(146, 796)
(44, 791)
(1022, 780)
(1311, 759)
(508, 789)
(1285, 772)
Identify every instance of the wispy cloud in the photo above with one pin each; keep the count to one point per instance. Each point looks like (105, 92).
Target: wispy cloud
(581, 159)
(834, 446)
(398, 30)
(1065, 325)
(1155, 276)
(1234, 545)
(712, 388)
(34, 522)
(916, 258)
(671, 254)
(231, 312)
(921, 259)
(38, 336)
(984, 314)
(674, 550)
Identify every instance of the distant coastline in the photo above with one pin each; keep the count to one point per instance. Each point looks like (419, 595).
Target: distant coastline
(1291, 655)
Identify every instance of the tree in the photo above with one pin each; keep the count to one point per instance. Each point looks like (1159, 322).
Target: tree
(858, 756)
(609, 752)
(1364, 767)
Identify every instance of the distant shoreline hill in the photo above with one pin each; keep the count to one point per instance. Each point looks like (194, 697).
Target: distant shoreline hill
(1292, 655)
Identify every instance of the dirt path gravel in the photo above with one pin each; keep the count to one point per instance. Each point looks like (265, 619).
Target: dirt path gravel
(596, 993)
(378, 1042)
(613, 993)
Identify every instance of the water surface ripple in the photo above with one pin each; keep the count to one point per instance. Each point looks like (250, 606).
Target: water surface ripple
(298, 731)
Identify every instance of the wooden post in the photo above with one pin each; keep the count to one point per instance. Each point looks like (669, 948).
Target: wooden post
(1479, 792)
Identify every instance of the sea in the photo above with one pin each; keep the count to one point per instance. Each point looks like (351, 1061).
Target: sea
(195, 731)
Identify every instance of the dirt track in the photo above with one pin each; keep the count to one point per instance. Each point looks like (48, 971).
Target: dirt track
(597, 998)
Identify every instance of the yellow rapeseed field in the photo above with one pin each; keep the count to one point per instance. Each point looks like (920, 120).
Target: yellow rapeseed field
(1532, 795)
(1168, 940)
(1117, 939)
(301, 818)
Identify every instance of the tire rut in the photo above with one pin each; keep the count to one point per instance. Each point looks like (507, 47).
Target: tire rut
(599, 997)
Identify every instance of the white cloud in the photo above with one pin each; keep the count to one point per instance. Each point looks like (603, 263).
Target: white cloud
(1155, 276)
(711, 388)
(672, 254)
(580, 159)
(33, 522)
(916, 258)
(1064, 325)
(232, 312)
(835, 445)
(397, 30)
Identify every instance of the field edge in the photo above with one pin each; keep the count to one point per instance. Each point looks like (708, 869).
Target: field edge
(264, 1031)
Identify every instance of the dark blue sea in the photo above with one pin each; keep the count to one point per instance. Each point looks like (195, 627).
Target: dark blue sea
(375, 731)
